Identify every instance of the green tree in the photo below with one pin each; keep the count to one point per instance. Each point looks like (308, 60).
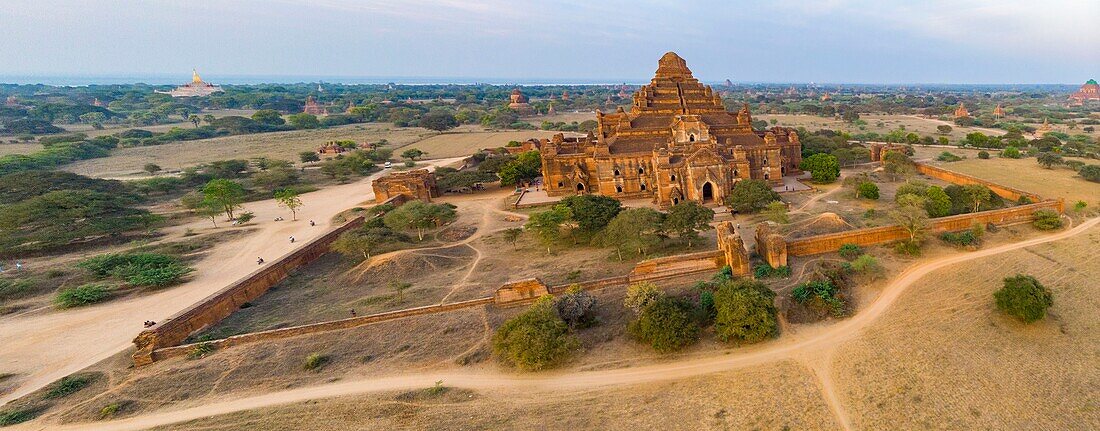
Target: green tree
(1024, 297)
(867, 190)
(438, 121)
(228, 195)
(547, 225)
(824, 168)
(303, 121)
(535, 340)
(686, 219)
(635, 229)
(412, 154)
(854, 181)
(938, 203)
(976, 194)
(776, 212)
(512, 235)
(592, 212)
(289, 198)
(269, 117)
(1010, 153)
(745, 311)
(526, 167)
(151, 168)
(911, 216)
(943, 129)
(1090, 173)
(194, 119)
(667, 324)
(1047, 220)
(898, 165)
(309, 156)
(751, 195)
(419, 215)
(1048, 160)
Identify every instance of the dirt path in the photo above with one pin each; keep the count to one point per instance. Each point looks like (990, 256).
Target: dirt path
(811, 342)
(44, 347)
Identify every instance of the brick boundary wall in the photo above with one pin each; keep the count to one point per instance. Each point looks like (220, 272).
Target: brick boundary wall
(219, 305)
(656, 269)
(1006, 192)
(831, 242)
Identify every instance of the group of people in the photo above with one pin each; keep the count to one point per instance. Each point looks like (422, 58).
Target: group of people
(260, 260)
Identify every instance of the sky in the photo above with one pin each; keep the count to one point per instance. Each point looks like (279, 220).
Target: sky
(823, 41)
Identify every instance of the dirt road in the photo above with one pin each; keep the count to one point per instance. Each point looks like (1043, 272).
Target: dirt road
(804, 344)
(44, 347)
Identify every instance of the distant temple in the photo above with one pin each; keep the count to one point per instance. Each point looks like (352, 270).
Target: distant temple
(415, 184)
(312, 107)
(331, 147)
(677, 142)
(11, 102)
(550, 110)
(1090, 92)
(961, 111)
(519, 103)
(565, 95)
(825, 97)
(196, 88)
(999, 111)
(1044, 129)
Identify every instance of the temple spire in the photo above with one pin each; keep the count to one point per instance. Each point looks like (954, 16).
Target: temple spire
(195, 77)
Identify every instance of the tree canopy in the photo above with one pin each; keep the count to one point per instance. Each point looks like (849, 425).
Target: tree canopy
(751, 196)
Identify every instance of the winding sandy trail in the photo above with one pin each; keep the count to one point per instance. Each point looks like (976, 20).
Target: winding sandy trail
(43, 347)
(804, 344)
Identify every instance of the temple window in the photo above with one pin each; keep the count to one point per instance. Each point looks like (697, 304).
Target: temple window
(672, 178)
(618, 189)
(617, 173)
(691, 137)
(641, 170)
(765, 160)
(561, 184)
(643, 187)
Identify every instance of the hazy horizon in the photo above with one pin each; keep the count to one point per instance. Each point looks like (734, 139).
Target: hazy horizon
(980, 42)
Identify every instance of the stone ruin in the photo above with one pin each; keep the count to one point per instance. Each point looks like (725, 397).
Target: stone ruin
(733, 249)
(770, 244)
(416, 184)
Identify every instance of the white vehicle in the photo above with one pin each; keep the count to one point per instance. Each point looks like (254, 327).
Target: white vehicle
(389, 165)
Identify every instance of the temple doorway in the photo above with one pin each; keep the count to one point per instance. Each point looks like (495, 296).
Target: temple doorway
(708, 192)
(580, 187)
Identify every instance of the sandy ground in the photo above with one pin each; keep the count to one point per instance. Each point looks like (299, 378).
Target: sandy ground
(43, 347)
(466, 140)
(817, 348)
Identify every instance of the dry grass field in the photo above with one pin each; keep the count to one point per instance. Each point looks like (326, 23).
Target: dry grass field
(1026, 174)
(466, 140)
(944, 358)
(920, 125)
(279, 145)
(21, 148)
(776, 396)
(564, 117)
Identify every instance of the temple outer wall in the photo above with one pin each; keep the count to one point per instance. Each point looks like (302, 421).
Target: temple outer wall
(829, 243)
(221, 304)
(963, 179)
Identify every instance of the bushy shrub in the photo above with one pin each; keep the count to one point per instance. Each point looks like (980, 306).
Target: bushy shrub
(575, 306)
(536, 339)
(850, 251)
(766, 271)
(68, 386)
(83, 295)
(983, 154)
(745, 311)
(638, 295)
(1090, 173)
(1024, 297)
(200, 350)
(1047, 220)
(867, 190)
(315, 361)
(867, 264)
(19, 415)
(1011, 153)
(908, 248)
(667, 324)
(138, 269)
(948, 156)
(820, 295)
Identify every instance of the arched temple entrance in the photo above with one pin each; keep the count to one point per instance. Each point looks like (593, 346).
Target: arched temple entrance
(580, 187)
(708, 192)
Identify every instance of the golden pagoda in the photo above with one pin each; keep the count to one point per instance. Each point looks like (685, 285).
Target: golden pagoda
(1044, 129)
(999, 111)
(196, 88)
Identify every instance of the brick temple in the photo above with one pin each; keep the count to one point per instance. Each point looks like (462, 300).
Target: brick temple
(677, 142)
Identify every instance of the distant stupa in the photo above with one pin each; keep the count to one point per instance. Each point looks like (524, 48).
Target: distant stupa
(196, 88)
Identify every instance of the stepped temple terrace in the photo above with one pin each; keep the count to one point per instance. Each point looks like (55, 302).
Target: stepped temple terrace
(677, 142)
(196, 88)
